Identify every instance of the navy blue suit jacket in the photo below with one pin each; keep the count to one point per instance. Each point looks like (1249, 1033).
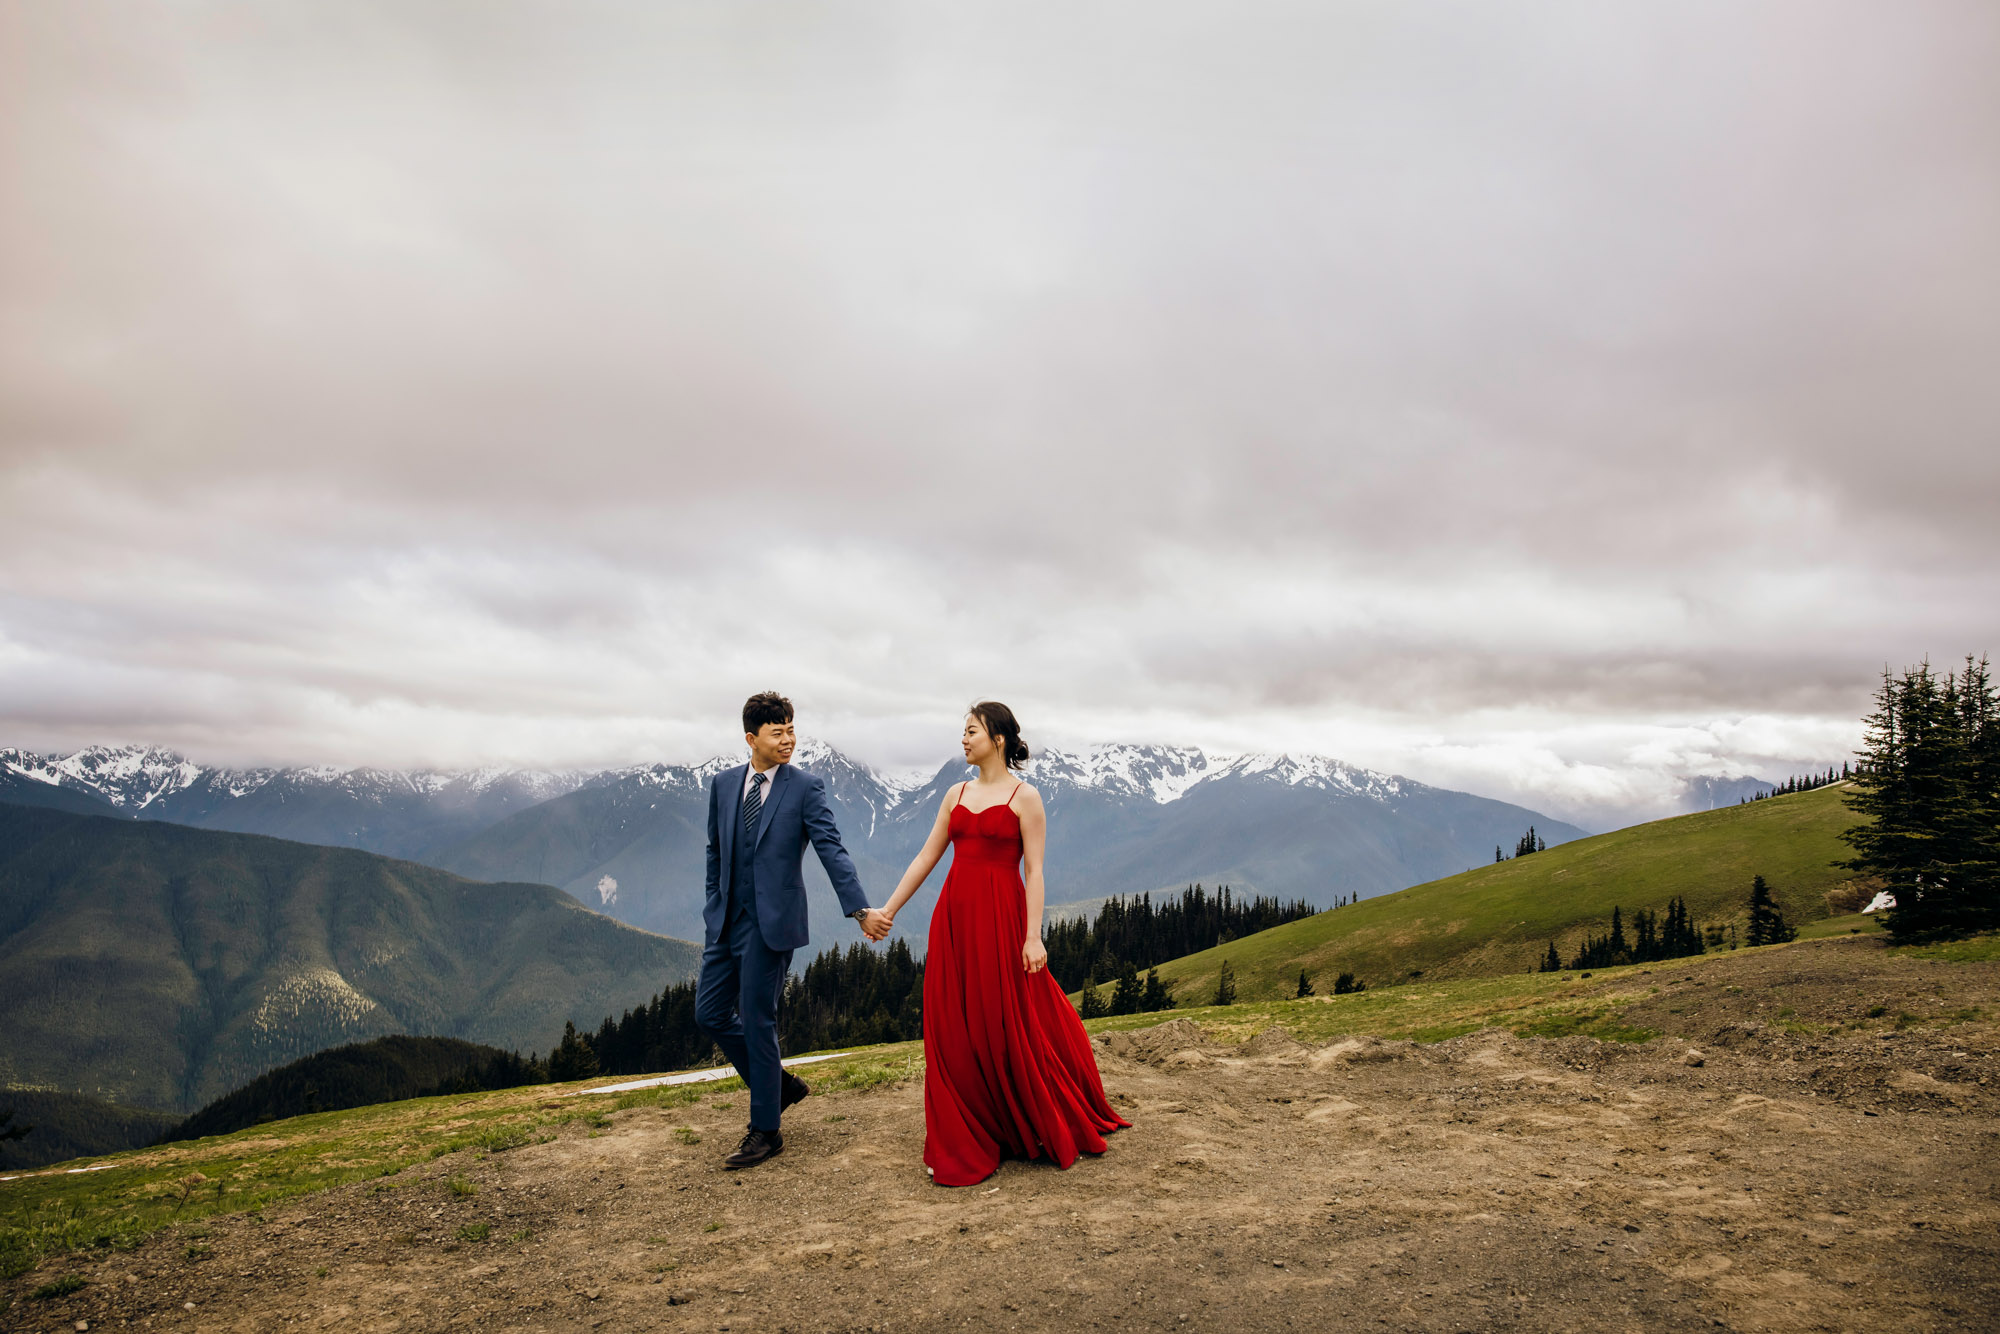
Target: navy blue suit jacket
(796, 812)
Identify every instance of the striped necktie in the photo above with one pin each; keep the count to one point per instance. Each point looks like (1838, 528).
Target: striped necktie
(753, 805)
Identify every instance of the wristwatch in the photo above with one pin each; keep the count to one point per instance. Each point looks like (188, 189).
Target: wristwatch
(860, 913)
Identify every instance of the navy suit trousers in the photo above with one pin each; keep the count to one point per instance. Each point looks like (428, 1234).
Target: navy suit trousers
(736, 1004)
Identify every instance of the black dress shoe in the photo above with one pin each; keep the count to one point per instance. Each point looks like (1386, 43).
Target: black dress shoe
(755, 1148)
(792, 1089)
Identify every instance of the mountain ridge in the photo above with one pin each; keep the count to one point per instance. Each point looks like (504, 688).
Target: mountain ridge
(1124, 819)
(1127, 818)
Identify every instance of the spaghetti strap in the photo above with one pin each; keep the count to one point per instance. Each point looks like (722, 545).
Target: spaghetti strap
(959, 800)
(1013, 794)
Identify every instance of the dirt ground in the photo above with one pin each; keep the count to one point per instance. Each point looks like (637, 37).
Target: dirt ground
(1789, 1181)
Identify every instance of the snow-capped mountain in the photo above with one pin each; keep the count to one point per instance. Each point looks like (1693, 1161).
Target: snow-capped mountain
(401, 814)
(1123, 819)
(126, 778)
(1168, 773)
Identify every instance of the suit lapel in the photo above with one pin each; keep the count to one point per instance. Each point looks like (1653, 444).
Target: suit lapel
(780, 776)
(732, 810)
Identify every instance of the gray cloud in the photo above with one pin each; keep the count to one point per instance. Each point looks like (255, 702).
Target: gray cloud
(1549, 402)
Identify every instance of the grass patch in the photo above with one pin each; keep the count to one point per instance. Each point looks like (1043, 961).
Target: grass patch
(1597, 1024)
(475, 1231)
(1973, 949)
(671, 1096)
(1422, 1012)
(879, 1069)
(686, 1135)
(60, 1287)
(712, 1227)
(145, 1190)
(1847, 924)
(461, 1185)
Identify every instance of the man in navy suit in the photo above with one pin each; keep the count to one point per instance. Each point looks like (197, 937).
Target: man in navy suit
(761, 815)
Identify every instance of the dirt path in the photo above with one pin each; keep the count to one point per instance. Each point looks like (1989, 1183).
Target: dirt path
(1490, 1183)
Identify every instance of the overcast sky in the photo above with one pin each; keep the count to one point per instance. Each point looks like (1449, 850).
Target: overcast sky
(1550, 401)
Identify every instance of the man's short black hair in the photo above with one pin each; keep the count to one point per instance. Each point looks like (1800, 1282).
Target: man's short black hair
(767, 706)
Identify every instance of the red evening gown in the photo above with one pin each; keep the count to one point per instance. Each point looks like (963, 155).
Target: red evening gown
(1008, 1071)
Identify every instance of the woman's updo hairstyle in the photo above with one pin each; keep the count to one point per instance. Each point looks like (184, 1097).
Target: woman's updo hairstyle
(999, 722)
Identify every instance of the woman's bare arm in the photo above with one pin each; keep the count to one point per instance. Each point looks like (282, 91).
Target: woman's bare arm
(1034, 838)
(926, 859)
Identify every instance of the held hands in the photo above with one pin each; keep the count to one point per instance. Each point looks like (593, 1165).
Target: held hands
(1034, 955)
(876, 923)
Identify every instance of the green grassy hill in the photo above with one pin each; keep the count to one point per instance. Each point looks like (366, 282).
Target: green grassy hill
(161, 966)
(1499, 919)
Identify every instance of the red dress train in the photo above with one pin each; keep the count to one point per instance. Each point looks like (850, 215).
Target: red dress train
(1008, 1071)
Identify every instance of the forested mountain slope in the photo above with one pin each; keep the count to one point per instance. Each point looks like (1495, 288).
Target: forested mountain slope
(162, 966)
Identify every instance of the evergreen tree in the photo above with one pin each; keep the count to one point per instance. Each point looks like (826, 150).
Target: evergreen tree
(1929, 781)
(573, 1058)
(1552, 962)
(1143, 931)
(1091, 1005)
(1125, 997)
(8, 1130)
(1498, 856)
(1225, 985)
(1767, 924)
(1305, 984)
(1530, 842)
(1159, 995)
(1347, 984)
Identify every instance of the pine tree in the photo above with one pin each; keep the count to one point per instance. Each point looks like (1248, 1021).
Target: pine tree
(1552, 962)
(1225, 985)
(1645, 937)
(1929, 781)
(1158, 995)
(1767, 924)
(573, 1057)
(1498, 856)
(1305, 984)
(8, 1130)
(1347, 984)
(1126, 995)
(1091, 1005)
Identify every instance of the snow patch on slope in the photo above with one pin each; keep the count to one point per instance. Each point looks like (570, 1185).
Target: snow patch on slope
(125, 777)
(1167, 773)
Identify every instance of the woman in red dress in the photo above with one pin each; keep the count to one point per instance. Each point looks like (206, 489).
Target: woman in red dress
(1008, 1071)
